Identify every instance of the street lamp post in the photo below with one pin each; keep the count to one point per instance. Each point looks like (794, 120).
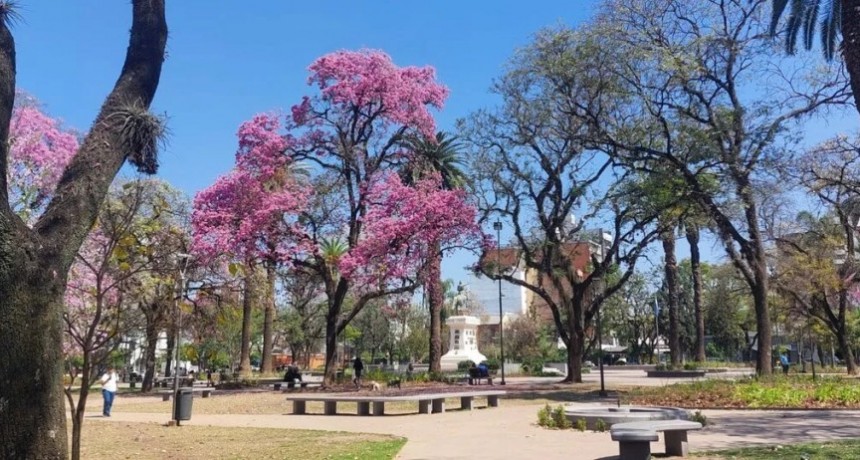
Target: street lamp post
(183, 264)
(497, 226)
(603, 392)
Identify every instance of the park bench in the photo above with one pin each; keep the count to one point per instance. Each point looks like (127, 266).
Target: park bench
(476, 375)
(204, 392)
(635, 438)
(290, 385)
(427, 403)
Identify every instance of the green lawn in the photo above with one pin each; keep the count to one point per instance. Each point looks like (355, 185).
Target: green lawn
(831, 450)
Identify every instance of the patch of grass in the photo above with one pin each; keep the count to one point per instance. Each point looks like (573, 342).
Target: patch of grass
(830, 450)
(145, 441)
(795, 392)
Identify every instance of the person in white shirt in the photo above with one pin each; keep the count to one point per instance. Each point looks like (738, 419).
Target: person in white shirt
(109, 380)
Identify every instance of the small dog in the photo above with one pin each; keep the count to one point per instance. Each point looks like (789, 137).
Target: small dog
(394, 383)
(373, 386)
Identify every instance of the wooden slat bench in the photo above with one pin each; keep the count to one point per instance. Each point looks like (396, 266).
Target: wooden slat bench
(204, 392)
(427, 403)
(635, 438)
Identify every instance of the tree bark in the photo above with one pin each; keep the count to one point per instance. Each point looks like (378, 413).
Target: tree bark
(851, 45)
(248, 297)
(171, 343)
(268, 320)
(149, 357)
(764, 363)
(330, 351)
(34, 263)
(436, 301)
(696, 269)
(671, 273)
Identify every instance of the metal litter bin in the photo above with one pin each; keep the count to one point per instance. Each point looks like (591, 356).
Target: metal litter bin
(184, 400)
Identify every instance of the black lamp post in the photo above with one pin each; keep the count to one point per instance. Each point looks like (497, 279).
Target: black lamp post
(183, 265)
(603, 392)
(497, 226)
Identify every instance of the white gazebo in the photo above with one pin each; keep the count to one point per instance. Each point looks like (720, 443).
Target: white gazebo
(463, 342)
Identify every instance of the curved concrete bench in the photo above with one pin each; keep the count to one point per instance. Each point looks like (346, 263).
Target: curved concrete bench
(427, 403)
(632, 437)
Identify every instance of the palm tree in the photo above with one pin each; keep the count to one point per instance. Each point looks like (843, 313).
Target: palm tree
(834, 18)
(435, 156)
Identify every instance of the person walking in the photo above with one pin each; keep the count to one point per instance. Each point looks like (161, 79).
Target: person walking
(786, 363)
(357, 367)
(109, 381)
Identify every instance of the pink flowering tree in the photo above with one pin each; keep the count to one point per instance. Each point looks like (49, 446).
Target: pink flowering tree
(250, 215)
(353, 129)
(39, 150)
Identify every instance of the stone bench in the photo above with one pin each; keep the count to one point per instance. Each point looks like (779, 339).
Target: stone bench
(204, 392)
(635, 438)
(280, 385)
(427, 403)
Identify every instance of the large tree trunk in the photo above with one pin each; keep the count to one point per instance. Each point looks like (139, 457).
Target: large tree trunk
(248, 297)
(268, 319)
(764, 363)
(696, 269)
(576, 342)
(671, 273)
(149, 357)
(851, 44)
(34, 264)
(436, 302)
(169, 352)
(32, 418)
(330, 351)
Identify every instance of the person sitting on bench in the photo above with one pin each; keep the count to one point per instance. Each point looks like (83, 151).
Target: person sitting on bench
(292, 376)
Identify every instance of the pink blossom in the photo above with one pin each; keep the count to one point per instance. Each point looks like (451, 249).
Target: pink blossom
(403, 227)
(39, 152)
(367, 82)
(250, 213)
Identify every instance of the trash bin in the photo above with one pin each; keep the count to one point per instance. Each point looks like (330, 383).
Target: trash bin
(182, 409)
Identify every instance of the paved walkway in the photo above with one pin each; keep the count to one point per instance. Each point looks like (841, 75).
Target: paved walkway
(510, 432)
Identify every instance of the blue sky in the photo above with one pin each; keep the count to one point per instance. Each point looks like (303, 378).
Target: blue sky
(227, 62)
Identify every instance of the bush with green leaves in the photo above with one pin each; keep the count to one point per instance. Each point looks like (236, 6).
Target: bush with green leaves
(545, 417)
(581, 424)
(463, 366)
(600, 425)
(698, 416)
(560, 418)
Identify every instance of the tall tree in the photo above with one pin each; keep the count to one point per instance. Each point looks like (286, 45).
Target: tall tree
(440, 155)
(839, 26)
(691, 232)
(250, 214)
(670, 274)
(34, 262)
(534, 172)
(679, 73)
(352, 133)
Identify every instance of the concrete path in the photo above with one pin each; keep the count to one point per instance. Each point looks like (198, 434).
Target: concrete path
(510, 432)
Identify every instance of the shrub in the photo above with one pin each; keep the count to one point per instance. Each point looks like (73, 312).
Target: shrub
(691, 366)
(545, 417)
(661, 367)
(581, 424)
(464, 366)
(600, 425)
(560, 419)
(698, 416)
(492, 364)
(436, 376)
